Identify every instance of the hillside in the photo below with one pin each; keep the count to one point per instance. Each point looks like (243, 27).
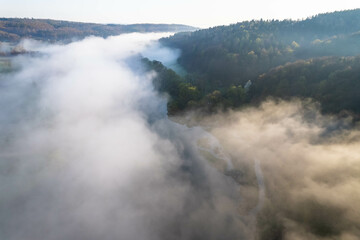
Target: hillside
(14, 29)
(226, 55)
(332, 81)
(310, 58)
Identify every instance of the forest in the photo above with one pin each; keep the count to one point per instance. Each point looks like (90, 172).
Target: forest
(310, 58)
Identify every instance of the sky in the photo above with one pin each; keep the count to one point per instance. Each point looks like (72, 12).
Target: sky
(199, 13)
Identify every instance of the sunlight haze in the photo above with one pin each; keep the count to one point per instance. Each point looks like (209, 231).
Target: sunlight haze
(199, 13)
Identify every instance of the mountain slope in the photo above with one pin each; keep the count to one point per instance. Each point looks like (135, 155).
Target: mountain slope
(226, 55)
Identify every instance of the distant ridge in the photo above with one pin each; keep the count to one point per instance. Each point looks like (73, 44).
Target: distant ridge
(14, 29)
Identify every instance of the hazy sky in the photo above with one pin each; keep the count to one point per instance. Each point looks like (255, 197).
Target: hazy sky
(201, 13)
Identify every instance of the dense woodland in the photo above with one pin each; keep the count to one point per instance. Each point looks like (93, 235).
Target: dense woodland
(332, 81)
(221, 60)
(14, 29)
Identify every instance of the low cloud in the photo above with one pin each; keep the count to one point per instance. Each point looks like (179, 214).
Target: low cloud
(310, 163)
(81, 158)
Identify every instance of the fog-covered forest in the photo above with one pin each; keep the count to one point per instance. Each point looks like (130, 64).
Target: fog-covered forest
(248, 131)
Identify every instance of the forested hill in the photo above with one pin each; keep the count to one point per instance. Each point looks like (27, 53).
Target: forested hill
(332, 81)
(14, 29)
(311, 58)
(221, 56)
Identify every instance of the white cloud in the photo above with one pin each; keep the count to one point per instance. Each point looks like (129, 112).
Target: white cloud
(81, 160)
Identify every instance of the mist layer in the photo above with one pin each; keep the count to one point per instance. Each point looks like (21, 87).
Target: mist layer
(87, 152)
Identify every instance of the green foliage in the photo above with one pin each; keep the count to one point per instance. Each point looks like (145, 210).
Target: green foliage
(235, 95)
(333, 81)
(184, 95)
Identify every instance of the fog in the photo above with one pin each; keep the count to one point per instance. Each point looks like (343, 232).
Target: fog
(310, 164)
(87, 152)
(83, 156)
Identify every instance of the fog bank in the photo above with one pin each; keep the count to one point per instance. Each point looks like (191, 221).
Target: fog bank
(310, 163)
(87, 152)
(83, 156)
